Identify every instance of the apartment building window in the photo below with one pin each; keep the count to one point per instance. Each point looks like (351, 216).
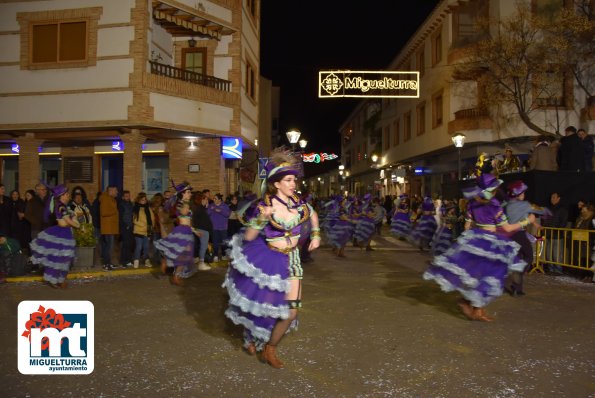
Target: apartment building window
(396, 132)
(386, 138)
(437, 111)
(548, 8)
(552, 90)
(194, 60)
(407, 126)
(421, 118)
(421, 63)
(250, 80)
(59, 38)
(437, 47)
(59, 42)
(465, 18)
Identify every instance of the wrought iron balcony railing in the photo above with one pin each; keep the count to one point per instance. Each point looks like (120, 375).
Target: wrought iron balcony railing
(472, 113)
(189, 76)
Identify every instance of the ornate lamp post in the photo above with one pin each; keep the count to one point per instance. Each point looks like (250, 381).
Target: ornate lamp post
(293, 136)
(303, 142)
(459, 140)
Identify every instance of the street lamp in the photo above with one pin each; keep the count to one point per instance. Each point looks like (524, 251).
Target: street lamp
(459, 140)
(374, 158)
(293, 136)
(303, 144)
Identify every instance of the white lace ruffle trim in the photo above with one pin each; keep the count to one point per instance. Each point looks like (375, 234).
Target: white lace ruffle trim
(240, 263)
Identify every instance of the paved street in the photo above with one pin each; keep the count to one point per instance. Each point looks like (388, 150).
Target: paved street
(370, 327)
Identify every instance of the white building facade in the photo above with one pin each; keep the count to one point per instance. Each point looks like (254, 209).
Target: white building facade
(130, 93)
(412, 137)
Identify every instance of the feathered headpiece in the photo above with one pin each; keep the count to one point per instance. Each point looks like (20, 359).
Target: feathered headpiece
(280, 164)
(486, 184)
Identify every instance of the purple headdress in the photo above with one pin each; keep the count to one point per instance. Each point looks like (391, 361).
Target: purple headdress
(171, 202)
(486, 184)
(427, 204)
(54, 196)
(280, 164)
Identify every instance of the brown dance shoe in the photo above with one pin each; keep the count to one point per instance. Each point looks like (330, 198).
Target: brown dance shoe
(63, 285)
(269, 356)
(466, 308)
(176, 280)
(479, 314)
(251, 349)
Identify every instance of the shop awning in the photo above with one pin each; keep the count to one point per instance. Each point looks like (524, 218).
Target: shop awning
(188, 22)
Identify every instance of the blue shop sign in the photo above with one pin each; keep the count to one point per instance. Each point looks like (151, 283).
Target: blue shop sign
(231, 148)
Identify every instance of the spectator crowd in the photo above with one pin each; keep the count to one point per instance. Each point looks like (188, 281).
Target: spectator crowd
(122, 227)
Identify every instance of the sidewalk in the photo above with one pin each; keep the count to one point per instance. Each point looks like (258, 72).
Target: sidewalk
(98, 272)
(383, 242)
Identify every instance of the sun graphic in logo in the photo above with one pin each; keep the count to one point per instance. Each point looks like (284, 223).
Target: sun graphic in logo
(331, 84)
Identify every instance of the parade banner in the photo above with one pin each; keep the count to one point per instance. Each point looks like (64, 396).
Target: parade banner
(375, 84)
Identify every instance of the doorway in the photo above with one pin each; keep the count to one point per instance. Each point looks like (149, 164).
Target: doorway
(112, 172)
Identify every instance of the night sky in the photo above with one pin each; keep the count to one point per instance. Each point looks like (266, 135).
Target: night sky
(299, 38)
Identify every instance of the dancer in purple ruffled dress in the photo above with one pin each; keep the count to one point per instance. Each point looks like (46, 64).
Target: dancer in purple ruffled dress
(476, 265)
(400, 225)
(177, 248)
(365, 227)
(54, 247)
(264, 280)
(425, 227)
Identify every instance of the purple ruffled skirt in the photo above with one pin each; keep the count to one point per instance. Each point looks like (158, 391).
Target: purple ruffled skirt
(442, 240)
(364, 229)
(338, 232)
(423, 231)
(476, 265)
(257, 284)
(178, 249)
(400, 225)
(54, 250)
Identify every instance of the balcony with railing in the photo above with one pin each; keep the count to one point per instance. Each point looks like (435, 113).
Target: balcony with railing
(189, 76)
(470, 119)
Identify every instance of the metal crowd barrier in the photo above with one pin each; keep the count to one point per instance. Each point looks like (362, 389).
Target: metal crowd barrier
(566, 247)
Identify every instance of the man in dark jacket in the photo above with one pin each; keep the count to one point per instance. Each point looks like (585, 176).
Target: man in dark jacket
(34, 210)
(555, 239)
(587, 142)
(571, 156)
(125, 208)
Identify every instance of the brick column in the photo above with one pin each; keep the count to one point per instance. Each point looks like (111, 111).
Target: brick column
(29, 173)
(133, 161)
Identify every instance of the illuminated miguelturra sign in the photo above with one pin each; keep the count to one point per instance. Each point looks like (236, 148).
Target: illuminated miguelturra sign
(379, 84)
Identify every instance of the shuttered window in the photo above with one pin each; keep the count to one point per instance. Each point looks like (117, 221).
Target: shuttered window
(78, 169)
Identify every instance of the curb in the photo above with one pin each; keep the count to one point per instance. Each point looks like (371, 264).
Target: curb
(90, 274)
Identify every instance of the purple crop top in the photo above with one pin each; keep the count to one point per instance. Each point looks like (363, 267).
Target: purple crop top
(278, 228)
(486, 214)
